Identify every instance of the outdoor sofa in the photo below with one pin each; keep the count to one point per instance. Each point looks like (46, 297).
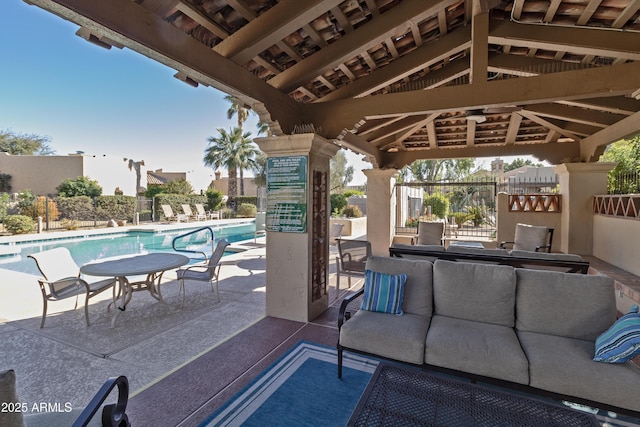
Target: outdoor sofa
(521, 328)
(569, 263)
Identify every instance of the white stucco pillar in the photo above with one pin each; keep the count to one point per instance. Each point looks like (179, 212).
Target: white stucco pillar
(579, 182)
(381, 209)
(297, 225)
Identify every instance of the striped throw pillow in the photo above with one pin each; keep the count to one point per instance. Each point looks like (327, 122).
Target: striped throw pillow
(621, 342)
(383, 292)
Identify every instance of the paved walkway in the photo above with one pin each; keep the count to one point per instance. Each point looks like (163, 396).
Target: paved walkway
(67, 362)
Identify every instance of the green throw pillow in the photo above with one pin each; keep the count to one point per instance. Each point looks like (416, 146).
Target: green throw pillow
(383, 292)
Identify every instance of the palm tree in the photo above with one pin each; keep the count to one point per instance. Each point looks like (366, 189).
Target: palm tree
(246, 157)
(232, 150)
(236, 109)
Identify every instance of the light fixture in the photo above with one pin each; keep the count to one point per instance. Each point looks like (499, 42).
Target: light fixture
(184, 78)
(477, 116)
(92, 38)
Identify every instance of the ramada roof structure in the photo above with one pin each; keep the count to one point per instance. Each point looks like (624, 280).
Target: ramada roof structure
(400, 80)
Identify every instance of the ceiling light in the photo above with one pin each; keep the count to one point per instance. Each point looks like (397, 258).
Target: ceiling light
(477, 116)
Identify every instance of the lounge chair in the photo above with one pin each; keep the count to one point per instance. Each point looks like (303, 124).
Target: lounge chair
(209, 215)
(170, 216)
(61, 279)
(531, 238)
(207, 272)
(189, 213)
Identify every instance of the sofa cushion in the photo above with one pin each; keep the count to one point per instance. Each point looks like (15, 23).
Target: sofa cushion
(546, 255)
(621, 342)
(471, 291)
(477, 348)
(418, 289)
(383, 292)
(387, 335)
(8, 394)
(578, 306)
(564, 365)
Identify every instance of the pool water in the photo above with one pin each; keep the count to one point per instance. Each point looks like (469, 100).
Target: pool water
(86, 249)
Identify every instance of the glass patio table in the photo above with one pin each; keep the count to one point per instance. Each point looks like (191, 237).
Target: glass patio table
(151, 265)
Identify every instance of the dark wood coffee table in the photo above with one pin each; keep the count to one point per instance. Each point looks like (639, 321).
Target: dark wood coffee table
(406, 396)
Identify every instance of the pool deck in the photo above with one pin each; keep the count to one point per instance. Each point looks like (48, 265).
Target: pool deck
(67, 362)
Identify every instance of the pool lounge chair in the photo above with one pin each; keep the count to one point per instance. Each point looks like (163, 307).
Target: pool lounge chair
(170, 216)
(209, 215)
(61, 279)
(189, 213)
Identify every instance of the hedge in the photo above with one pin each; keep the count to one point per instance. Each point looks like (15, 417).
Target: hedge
(83, 208)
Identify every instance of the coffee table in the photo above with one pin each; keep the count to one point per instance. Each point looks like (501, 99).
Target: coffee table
(405, 396)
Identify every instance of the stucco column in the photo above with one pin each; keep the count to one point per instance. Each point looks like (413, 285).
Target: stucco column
(297, 229)
(381, 209)
(579, 182)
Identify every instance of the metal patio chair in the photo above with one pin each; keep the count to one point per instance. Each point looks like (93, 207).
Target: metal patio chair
(206, 272)
(170, 216)
(430, 233)
(352, 257)
(61, 280)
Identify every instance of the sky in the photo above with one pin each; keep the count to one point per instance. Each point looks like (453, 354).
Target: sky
(107, 102)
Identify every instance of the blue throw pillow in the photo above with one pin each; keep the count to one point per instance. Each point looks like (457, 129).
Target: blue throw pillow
(383, 292)
(621, 342)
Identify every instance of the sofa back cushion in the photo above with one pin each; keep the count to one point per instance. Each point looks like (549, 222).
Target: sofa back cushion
(476, 292)
(418, 290)
(570, 305)
(546, 255)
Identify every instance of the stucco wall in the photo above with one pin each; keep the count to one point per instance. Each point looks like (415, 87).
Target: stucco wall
(222, 184)
(615, 240)
(42, 174)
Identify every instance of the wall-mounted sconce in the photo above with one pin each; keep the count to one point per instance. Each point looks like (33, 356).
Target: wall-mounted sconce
(184, 78)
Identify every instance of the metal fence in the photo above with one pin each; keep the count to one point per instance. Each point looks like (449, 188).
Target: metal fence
(624, 183)
(468, 207)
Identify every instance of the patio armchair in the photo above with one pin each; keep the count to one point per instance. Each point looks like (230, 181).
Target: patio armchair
(429, 233)
(352, 257)
(61, 280)
(170, 216)
(189, 213)
(531, 238)
(335, 232)
(207, 272)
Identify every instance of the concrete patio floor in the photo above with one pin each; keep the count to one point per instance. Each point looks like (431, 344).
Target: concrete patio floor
(67, 362)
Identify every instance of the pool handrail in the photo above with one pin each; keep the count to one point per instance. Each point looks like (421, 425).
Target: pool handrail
(206, 258)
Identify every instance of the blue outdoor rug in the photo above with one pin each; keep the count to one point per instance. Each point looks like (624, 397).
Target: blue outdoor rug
(300, 389)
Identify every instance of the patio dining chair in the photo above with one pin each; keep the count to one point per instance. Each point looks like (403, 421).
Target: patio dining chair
(351, 259)
(206, 272)
(170, 216)
(430, 233)
(189, 213)
(531, 238)
(61, 279)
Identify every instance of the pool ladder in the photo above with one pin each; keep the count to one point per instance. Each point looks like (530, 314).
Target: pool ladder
(206, 258)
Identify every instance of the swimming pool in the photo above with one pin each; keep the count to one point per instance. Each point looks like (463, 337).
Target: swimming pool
(85, 249)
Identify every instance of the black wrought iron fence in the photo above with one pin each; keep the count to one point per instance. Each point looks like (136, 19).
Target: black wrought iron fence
(468, 207)
(624, 183)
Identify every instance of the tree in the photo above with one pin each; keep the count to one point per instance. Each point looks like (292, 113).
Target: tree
(341, 173)
(230, 150)
(81, 186)
(626, 154)
(24, 144)
(437, 170)
(178, 186)
(519, 162)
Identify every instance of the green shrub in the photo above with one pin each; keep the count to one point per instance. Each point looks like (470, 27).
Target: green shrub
(351, 193)
(439, 205)
(461, 217)
(81, 186)
(19, 224)
(338, 202)
(5, 199)
(115, 207)
(39, 207)
(352, 212)
(227, 213)
(79, 208)
(247, 210)
(246, 199)
(478, 214)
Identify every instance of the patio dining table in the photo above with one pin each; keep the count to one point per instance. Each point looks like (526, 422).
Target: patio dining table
(151, 265)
